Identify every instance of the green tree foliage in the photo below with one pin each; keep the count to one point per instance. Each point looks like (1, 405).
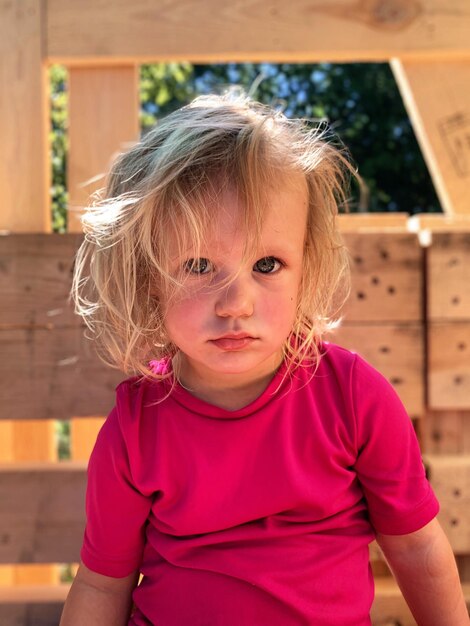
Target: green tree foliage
(360, 102)
(58, 147)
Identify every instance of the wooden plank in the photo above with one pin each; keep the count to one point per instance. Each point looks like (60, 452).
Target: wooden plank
(32, 605)
(42, 517)
(446, 432)
(396, 350)
(372, 222)
(24, 119)
(61, 372)
(104, 103)
(301, 31)
(34, 594)
(35, 279)
(450, 479)
(30, 614)
(439, 222)
(437, 97)
(389, 607)
(386, 277)
(83, 433)
(448, 283)
(449, 365)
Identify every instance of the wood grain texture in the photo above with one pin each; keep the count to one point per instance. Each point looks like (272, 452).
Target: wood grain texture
(397, 351)
(35, 280)
(446, 432)
(256, 30)
(387, 282)
(448, 271)
(448, 367)
(450, 478)
(42, 517)
(437, 97)
(24, 120)
(389, 607)
(53, 374)
(30, 614)
(104, 103)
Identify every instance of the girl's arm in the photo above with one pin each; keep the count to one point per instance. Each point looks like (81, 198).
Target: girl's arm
(95, 599)
(425, 569)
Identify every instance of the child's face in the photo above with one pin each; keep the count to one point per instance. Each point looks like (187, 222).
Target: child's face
(233, 336)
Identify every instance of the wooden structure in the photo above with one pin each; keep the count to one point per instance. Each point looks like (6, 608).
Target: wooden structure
(409, 312)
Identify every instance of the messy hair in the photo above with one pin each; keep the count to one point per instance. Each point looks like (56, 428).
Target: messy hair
(168, 183)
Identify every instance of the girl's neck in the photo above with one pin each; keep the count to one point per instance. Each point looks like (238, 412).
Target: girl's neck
(231, 394)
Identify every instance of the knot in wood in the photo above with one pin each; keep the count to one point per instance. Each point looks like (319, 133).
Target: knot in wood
(393, 14)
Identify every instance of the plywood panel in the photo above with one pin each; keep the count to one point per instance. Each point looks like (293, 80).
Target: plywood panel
(386, 277)
(450, 479)
(42, 516)
(448, 270)
(53, 373)
(35, 280)
(437, 97)
(397, 351)
(104, 104)
(24, 123)
(256, 30)
(449, 365)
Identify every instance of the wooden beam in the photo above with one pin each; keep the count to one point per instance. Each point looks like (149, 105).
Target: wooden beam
(42, 517)
(116, 32)
(104, 103)
(24, 119)
(437, 97)
(372, 222)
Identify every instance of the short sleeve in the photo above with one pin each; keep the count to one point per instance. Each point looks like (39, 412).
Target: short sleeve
(389, 465)
(116, 511)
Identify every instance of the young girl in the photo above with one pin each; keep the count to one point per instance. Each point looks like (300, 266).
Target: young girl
(247, 466)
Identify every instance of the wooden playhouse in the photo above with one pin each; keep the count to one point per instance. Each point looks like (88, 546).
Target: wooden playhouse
(409, 312)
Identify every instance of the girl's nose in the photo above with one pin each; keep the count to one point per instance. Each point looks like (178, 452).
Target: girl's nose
(235, 300)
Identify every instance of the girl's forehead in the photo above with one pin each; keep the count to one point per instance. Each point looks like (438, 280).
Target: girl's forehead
(228, 223)
(283, 220)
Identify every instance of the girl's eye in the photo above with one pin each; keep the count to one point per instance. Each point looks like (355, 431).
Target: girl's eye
(267, 265)
(197, 266)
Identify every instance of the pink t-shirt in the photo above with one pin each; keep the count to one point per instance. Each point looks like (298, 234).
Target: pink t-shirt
(260, 516)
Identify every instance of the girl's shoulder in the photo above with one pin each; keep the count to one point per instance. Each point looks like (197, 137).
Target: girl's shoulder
(349, 372)
(135, 393)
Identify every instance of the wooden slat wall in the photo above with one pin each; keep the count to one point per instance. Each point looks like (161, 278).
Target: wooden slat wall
(383, 319)
(447, 424)
(392, 256)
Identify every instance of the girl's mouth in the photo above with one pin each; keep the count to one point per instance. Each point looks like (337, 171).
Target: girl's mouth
(233, 342)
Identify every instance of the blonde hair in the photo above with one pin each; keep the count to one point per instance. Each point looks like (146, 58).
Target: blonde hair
(167, 183)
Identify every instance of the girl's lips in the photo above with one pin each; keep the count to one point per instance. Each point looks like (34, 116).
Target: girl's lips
(233, 343)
